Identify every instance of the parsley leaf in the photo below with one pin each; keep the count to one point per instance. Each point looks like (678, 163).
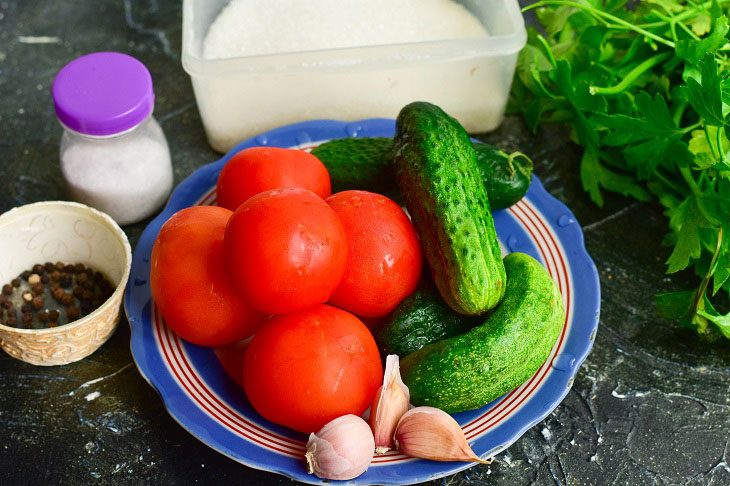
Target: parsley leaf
(686, 221)
(706, 98)
(694, 50)
(646, 91)
(721, 321)
(654, 128)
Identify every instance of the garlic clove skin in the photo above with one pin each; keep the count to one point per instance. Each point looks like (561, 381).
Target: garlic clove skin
(430, 433)
(391, 402)
(342, 449)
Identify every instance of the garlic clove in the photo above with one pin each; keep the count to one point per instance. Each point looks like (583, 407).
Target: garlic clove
(430, 433)
(342, 449)
(391, 402)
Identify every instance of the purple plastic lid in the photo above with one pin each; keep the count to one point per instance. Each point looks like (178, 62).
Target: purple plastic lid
(103, 93)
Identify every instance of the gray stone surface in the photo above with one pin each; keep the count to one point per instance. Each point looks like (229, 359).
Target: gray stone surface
(651, 405)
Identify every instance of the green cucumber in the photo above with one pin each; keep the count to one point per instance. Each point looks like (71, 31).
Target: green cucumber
(437, 174)
(470, 370)
(358, 163)
(365, 163)
(506, 176)
(421, 319)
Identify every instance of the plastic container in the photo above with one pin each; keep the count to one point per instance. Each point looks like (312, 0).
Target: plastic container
(240, 97)
(114, 155)
(72, 233)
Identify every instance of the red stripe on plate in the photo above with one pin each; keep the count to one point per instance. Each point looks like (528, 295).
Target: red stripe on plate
(164, 339)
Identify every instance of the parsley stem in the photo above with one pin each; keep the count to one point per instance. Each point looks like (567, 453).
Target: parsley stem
(720, 150)
(697, 192)
(604, 17)
(684, 15)
(631, 76)
(687, 176)
(700, 292)
(709, 142)
(679, 111)
(671, 184)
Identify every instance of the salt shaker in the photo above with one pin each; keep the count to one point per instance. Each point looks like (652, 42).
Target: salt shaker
(114, 155)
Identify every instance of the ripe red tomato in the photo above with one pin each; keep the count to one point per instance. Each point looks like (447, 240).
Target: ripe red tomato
(231, 357)
(383, 253)
(258, 169)
(189, 280)
(304, 369)
(286, 250)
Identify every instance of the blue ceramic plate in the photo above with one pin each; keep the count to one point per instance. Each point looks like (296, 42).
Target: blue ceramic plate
(205, 401)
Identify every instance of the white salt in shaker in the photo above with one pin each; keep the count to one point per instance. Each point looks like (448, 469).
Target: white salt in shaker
(114, 155)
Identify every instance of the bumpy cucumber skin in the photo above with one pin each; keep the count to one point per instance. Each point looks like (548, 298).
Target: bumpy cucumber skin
(366, 164)
(358, 163)
(436, 171)
(421, 319)
(470, 370)
(506, 177)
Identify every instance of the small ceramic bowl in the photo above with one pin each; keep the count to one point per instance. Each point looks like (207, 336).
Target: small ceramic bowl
(72, 233)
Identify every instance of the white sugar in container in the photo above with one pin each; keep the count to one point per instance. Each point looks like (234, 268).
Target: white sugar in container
(350, 67)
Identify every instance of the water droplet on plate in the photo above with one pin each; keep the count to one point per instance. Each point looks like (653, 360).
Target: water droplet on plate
(303, 138)
(565, 220)
(139, 281)
(262, 140)
(512, 243)
(146, 260)
(564, 362)
(353, 130)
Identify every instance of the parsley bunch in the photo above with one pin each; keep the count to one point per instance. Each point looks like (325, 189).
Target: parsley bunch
(646, 90)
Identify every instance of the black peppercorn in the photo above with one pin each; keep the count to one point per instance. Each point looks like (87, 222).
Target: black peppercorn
(98, 276)
(54, 315)
(45, 279)
(26, 308)
(59, 293)
(89, 285)
(12, 322)
(15, 282)
(43, 316)
(27, 317)
(78, 291)
(65, 280)
(37, 289)
(68, 268)
(3, 299)
(88, 294)
(89, 272)
(81, 278)
(67, 299)
(72, 313)
(79, 267)
(39, 269)
(25, 275)
(7, 304)
(49, 266)
(38, 302)
(55, 275)
(59, 266)
(7, 289)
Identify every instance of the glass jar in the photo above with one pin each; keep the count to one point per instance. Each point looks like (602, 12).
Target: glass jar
(114, 155)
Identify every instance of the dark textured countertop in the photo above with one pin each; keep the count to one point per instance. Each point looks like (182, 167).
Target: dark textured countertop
(651, 404)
